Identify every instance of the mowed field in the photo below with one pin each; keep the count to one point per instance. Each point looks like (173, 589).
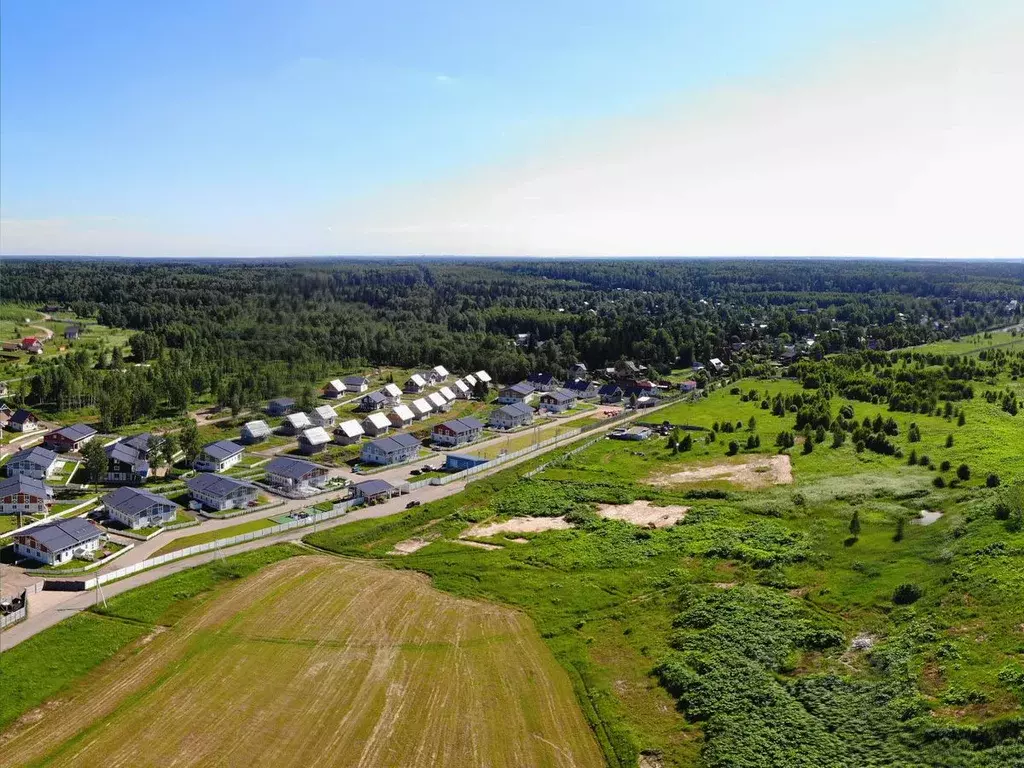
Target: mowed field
(320, 661)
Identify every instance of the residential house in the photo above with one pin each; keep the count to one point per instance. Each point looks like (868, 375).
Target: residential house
(335, 388)
(255, 431)
(446, 393)
(218, 457)
(578, 370)
(323, 416)
(313, 440)
(629, 369)
(37, 462)
(402, 416)
(687, 386)
(583, 389)
(542, 382)
(24, 495)
(393, 393)
(610, 393)
(70, 438)
(376, 424)
(145, 443)
(356, 384)
(511, 416)
(415, 384)
(421, 408)
(438, 374)
(558, 400)
(295, 475)
(437, 401)
(373, 401)
(456, 462)
(32, 345)
(280, 406)
(126, 464)
(374, 490)
(483, 376)
(135, 508)
(717, 365)
(5, 415)
(348, 432)
(72, 332)
(516, 393)
(457, 431)
(470, 380)
(58, 542)
(391, 450)
(220, 492)
(23, 421)
(462, 390)
(630, 433)
(294, 423)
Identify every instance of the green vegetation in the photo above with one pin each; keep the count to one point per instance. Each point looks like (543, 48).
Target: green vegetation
(183, 542)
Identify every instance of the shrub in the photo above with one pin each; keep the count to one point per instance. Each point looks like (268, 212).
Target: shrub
(938, 482)
(963, 472)
(905, 594)
(992, 481)
(734, 447)
(945, 466)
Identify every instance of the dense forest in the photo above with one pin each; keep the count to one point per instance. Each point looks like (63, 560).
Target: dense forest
(245, 332)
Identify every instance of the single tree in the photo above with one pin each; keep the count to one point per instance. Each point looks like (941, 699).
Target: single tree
(949, 441)
(963, 472)
(734, 447)
(855, 524)
(95, 461)
(901, 523)
(188, 438)
(686, 443)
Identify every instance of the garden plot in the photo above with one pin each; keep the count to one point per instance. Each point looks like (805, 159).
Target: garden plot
(749, 472)
(643, 513)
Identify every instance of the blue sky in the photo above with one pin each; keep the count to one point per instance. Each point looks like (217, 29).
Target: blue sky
(263, 128)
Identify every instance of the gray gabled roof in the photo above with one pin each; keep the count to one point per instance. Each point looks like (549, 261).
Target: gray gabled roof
(373, 487)
(123, 451)
(21, 415)
(215, 485)
(289, 467)
(132, 501)
(39, 456)
(285, 402)
(559, 396)
(63, 534)
(463, 425)
(257, 428)
(222, 449)
(24, 484)
(395, 442)
(522, 388)
(356, 381)
(75, 432)
(375, 397)
(516, 409)
(141, 442)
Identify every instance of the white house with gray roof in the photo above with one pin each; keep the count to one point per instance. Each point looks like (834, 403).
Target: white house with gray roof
(391, 450)
(219, 456)
(58, 542)
(220, 492)
(136, 508)
(323, 416)
(32, 462)
(295, 475)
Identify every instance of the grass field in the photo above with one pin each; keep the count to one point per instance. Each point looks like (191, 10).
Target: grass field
(221, 533)
(315, 660)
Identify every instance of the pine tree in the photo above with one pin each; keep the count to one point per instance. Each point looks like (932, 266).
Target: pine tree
(855, 524)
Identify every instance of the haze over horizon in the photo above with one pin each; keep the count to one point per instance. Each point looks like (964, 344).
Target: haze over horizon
(889, 129)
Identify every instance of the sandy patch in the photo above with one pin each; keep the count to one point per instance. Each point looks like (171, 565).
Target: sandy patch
(926, 517)
(409, 546)
(517, 525)
(643, 513)
(477, 544)
(751, 472)
(521, 540)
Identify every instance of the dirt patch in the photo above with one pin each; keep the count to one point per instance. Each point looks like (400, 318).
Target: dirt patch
(517, 525)
(749, 472)
(409, 546)
(643, 513)
(521, 540)
(477, 544)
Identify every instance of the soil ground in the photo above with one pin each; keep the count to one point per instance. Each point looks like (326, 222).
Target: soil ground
(749, 472)
(643, 513)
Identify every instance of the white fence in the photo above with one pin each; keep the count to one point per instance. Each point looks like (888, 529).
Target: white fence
(13, 617)
(316, 517)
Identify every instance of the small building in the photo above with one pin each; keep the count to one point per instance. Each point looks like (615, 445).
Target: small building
(483, 376)
(126, 464)
(72, 332)
(446, 393)
(470, 380)
(558, 400)
(456, 462)
(58, 542)
(220, 492)
(323, 416)
(32, 345)
(457, 431)
(295, 475)
(415, 384)
(578, 370)
(402, 416)
(335, 388)
(348, 432)
(135, 508)
(218, 457)
(437, 402)
(717, 365)
(255, 431)
(69, 439)
(391, 450)
(687, 386)
(23, 421)
(516, 393)
(38, 463)
(356, 384)
(631, 433)
(421, 408)
(373, 401)
(511, 416)
(583, 389)
(24, 495)
(438, 374)
(145, 443)
(610, 393)
(374, 490)
(462, 390)
(542, 382)
(392, 392)
(294, 423)
(376, 424)
(313, 440)
(280, 406)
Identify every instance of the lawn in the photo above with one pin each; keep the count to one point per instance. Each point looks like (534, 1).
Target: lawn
(329, 641)
(184, 542)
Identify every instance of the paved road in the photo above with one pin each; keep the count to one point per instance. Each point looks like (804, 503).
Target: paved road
(48, 608)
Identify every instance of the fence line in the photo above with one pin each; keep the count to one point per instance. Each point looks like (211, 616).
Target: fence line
(13, 617)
